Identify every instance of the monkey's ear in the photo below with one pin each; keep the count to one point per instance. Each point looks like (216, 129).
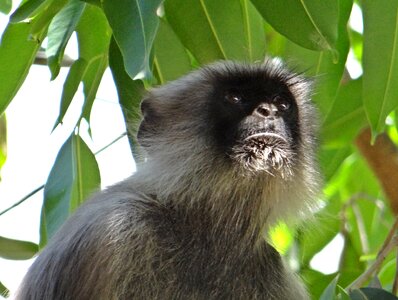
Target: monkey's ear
(150, 120)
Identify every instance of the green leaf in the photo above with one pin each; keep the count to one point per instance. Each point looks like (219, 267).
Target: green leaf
(74, 176)
(324, 66)
(316, 282)
(17, 250)
(4, 291)
(93, 34)
(28, 9)
(5, 6)
(71, 84)
(171, 59)
(205, 27)
(342, 294)
(347, 115)
(45, 15)
(254, 32)
(3, 140)
(17, 53)
(371, 294)
(329, 292)
(350, 259)
(328, 226)
(129, 91)
(134, 25)
(59, 32)
(310, 23)
(380, 60)
(331, 160)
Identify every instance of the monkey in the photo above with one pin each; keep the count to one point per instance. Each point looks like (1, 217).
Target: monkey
(230, 150)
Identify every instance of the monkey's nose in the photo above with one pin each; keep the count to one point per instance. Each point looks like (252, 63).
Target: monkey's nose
(266, 110)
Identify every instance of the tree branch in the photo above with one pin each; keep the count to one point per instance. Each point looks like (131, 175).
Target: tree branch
(382, 158)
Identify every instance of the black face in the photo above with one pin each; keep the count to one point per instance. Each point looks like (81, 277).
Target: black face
(255, 119)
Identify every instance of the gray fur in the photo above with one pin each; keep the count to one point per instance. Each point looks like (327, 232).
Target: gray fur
(190, 223)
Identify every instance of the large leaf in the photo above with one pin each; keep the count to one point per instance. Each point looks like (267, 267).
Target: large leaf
(134, 25)
(324, 66)
(5, 6)
(171, 59)
(309, 23)
(59, 32)
(206, 28)
(129, 92)
(17, 53)
(93, 34)
(17, 250)
(74, 176)
(380, 60)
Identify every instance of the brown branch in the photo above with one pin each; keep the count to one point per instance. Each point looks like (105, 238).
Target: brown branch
(390, 242)
(395, 285)
(382, 158)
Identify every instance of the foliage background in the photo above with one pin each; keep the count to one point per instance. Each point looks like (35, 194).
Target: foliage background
(149, 42)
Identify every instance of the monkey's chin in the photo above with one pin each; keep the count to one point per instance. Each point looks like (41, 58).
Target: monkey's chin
(267, 153)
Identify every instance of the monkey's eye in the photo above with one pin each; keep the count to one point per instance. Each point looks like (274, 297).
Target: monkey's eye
(281, 103)
(233, 98)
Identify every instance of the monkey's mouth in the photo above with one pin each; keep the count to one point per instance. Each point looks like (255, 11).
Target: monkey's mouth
(264, 151)
(264, 136)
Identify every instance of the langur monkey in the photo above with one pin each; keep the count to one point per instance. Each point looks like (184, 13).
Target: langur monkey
(230, 151)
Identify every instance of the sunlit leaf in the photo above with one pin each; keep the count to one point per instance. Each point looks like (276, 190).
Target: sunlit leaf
(134, 25)
(205, 27)
(380, 60)
(5, 6)
(74, 176)
(317, 25)
(59, 32)
(17, 53)
(17, 250)
(171, 59)
(129, 92)
(281, 237)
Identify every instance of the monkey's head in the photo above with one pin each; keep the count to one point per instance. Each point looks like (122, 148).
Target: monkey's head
(256, 118)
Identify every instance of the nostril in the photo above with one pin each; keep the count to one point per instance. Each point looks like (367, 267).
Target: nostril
(263, 111)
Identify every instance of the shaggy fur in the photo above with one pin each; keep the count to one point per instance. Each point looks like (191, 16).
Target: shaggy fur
(230, 152)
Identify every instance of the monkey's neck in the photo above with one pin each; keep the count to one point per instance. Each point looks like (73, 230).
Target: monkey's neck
(212, 190)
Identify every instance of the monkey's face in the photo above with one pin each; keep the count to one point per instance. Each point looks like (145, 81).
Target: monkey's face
(256, 119)
(247, 115)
